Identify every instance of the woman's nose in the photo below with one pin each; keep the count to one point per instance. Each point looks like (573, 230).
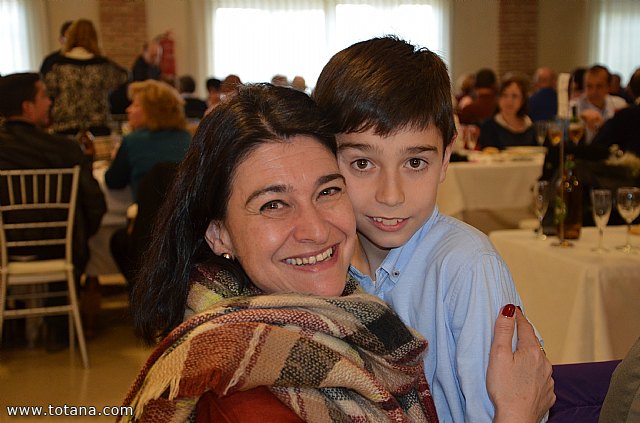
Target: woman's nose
(311, 225)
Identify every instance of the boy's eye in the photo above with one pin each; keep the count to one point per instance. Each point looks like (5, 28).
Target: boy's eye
(416, 164)
(361, 164)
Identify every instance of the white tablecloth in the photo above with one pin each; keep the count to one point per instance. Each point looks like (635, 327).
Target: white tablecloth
(491, 193)
(586, 305)
(118, 200)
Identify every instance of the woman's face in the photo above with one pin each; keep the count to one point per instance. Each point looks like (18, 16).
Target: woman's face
(289, 219)
(135, 114)
(511, 99)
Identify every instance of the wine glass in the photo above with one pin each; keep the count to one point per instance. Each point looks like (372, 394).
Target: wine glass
(555, 129)
(541, 195)
(628, 203)
(471, 133)
(542, 126)
(601, 203)
(576, 130)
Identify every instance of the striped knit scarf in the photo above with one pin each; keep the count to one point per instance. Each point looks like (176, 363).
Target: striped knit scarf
(329, 359)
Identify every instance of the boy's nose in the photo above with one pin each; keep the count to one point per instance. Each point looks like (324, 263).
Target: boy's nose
(390, 190)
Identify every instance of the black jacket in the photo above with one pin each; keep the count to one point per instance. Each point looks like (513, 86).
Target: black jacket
(24, 146)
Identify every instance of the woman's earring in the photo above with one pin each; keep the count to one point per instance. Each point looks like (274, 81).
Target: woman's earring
(227, 256)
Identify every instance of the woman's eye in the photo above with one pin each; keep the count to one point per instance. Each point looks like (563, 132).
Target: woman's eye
(417, 164)
(330, 191)
(272, 205)
(361, 164)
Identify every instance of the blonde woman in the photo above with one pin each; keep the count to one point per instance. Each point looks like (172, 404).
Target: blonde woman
(80, 81)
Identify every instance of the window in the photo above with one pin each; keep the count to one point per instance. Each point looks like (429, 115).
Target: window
(615, 37)
(297, 38)
(21, 30)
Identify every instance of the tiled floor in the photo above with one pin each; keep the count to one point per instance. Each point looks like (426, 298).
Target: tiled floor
(34, 377)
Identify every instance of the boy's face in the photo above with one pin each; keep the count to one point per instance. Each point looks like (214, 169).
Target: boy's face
(392, 181)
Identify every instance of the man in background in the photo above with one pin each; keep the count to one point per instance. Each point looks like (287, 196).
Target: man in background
(485, 103)
(24, 144)
(194, 107)
(543, 103)
(147, 64)
(595, 106)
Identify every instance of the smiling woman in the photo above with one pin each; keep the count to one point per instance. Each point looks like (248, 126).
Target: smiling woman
(260, 207)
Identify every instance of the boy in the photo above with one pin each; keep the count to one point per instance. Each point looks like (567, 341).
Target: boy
(393, 113)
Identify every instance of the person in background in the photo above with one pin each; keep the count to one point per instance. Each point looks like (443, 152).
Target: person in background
(623, 128)
(25, 144)
(543, 102)
(485, 102)
(52, 58)
(615, 88)
(576, 87)
(147, 64)
(157, 120)
(194, 107)
(465, 94)
(298, 83)
(510, 126)
(280, 81)
(256, 248)
(228, 89)
(80, 82)
(442, 276)
(213, 91)
(595, 105)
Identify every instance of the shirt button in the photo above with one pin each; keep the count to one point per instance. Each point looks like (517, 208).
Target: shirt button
(395, 273)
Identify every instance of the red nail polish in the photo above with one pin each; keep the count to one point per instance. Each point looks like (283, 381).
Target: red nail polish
(509, 310)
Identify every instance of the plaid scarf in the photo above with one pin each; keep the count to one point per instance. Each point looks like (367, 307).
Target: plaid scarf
(329, 359)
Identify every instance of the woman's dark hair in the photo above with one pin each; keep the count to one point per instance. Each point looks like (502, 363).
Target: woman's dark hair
(259, 114)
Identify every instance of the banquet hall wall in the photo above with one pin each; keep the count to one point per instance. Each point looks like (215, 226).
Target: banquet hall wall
(560, 37)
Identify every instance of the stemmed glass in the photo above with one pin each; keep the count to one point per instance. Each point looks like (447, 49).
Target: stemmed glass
(541, 203)
(542, 127)
(576, 130)
(470, 134)
(628, 203)
(601, 203)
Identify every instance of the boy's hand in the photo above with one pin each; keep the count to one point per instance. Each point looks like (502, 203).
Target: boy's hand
(519, 383)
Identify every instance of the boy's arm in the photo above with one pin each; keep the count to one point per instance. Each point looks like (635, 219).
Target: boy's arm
(482, 289)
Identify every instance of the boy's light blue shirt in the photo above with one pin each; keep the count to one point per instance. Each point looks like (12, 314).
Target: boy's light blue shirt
(449, 283)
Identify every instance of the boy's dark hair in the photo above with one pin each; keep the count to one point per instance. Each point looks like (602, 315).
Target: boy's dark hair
(14, 90)
(186, 84)
(213, 84)
(386, 84)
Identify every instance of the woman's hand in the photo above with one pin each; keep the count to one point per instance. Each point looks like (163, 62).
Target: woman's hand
(519, 383)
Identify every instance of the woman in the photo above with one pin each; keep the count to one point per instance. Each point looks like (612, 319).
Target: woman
(80, 81)
(260, 189)
(158, 141)
(156, 118)
(510, 126)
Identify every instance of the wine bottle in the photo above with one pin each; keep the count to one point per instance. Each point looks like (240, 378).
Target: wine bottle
(569, 201)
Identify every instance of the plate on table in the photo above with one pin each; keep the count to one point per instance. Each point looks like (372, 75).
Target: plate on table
(526, 150)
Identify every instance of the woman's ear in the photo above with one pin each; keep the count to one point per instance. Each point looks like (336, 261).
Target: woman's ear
(218, 239)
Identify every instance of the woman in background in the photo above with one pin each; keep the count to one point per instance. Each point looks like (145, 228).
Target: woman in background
(157, 142)
(80, 81)
(510, 126)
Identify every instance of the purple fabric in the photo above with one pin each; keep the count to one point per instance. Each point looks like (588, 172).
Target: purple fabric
(580, 390)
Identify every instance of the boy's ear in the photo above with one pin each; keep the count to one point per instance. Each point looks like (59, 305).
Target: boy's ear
(445, 160)
(218, 239)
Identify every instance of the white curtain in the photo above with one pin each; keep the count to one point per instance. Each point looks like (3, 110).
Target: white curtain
(615, 35)
(23, 35)
(257, 39)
